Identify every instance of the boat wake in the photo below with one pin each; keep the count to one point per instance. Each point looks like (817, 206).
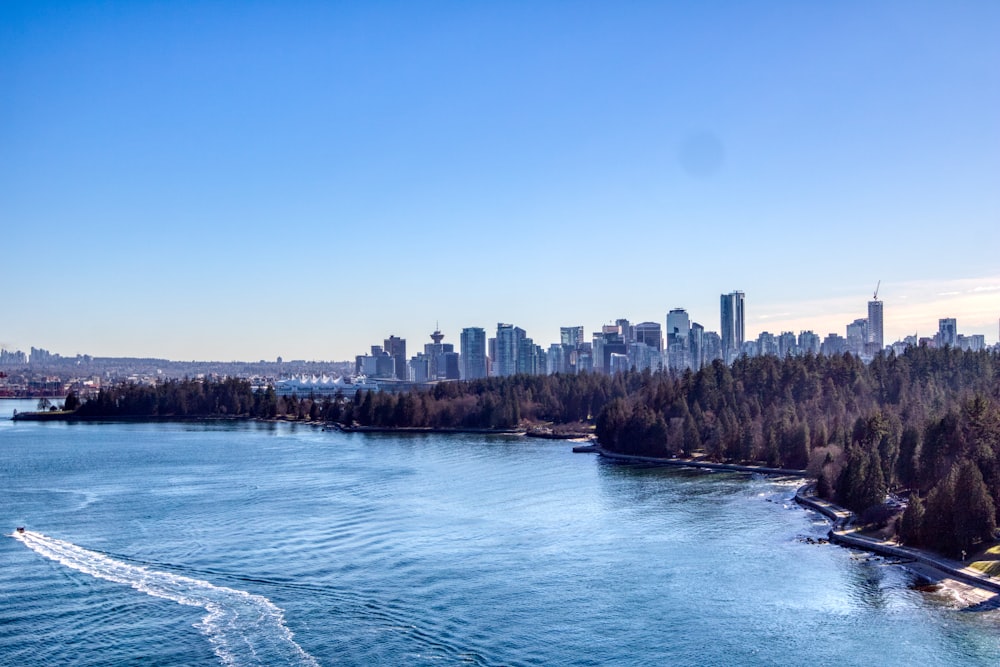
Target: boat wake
(243, 628)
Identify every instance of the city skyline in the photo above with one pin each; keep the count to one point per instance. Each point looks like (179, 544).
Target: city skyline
(233, 182)
(863, 336)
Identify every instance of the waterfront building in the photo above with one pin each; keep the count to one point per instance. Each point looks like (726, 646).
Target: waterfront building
(473, 346)
(323, 386)
(732, 324)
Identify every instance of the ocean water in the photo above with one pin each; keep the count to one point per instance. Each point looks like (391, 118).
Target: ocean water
(276, 544)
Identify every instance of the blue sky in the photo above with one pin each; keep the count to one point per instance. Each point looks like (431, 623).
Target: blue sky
(215, 180)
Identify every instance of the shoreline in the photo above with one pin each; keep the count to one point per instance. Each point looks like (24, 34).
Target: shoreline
(968, 585)
(690, 463)
(945, 576)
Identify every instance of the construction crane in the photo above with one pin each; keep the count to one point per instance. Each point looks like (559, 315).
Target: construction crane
(875, 296)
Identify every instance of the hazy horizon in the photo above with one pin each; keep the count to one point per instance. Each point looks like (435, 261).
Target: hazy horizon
(233, 181)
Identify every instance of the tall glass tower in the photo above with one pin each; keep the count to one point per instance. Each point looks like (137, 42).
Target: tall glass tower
(875, 326)
(732, 328)
(473, 343)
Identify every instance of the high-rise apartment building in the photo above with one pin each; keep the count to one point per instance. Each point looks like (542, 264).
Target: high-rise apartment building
(857, 336)
(473, 346)
(696, 349)
(947, 332)
(875, 335)
(732, 325)
(507, 346)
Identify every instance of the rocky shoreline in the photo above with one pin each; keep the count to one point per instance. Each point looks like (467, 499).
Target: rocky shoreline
(947, 577)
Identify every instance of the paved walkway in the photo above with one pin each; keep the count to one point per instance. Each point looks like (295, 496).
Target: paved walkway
(843, 533)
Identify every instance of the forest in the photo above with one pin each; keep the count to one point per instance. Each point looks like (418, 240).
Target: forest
(923, 426)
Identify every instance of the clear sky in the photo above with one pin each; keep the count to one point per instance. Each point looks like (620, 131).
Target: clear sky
(243, 180)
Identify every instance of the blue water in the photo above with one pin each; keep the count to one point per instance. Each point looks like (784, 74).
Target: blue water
(248, 543)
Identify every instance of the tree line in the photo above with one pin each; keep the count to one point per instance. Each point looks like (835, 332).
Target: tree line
(925, 423)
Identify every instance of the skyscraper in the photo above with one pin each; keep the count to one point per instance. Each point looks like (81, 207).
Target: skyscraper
(732, 328)
(875, 338)
(395, 347)
(649, 333)
(571, 336)
(473, 342)
(508, 341)
(678, 333)
(947, 332)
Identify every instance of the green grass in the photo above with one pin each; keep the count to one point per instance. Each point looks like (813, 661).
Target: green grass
(991, 561)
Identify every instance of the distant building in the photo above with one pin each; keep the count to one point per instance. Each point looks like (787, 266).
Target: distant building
(556, 359)
(973, 343)
(651, 334)
(678, 333)
(787, 346)
(947, 332)
(507, 344)
(857, 336)
(713, 348)
(732, 324)
(833, 345)
(767, 344)
(809, 343)
(696, 348)
(607, 342)
(626, 330)
(530, 358)
(17, 358)
(571, 336)
(618, 363)
(875, 338)
(396, 348)
(473, 346)
(439, 354)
